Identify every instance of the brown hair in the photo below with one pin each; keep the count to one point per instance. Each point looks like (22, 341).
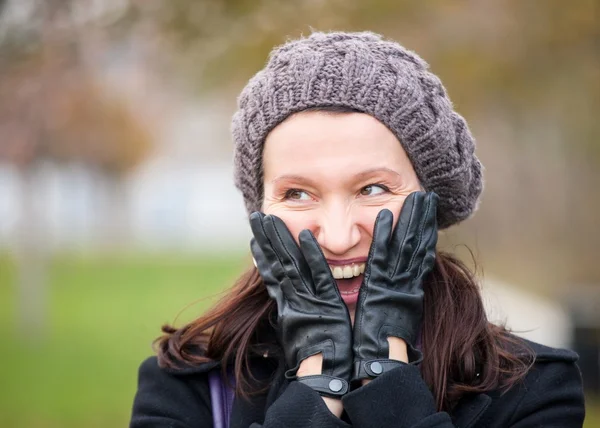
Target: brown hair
(464, 353)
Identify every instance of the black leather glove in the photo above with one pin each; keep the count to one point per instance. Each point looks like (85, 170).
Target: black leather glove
(311, 316)
(390, 302)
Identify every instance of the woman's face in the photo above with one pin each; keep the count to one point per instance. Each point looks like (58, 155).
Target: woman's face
(332, 173)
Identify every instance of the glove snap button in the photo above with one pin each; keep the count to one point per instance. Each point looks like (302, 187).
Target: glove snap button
(377, 368)
(335, 385)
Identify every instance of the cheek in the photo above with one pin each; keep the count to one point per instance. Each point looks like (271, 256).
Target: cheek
(395, 206)
(296, 221)
(365, 218)
(366, 215)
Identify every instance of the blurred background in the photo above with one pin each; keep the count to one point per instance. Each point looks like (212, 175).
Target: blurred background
(117, 206)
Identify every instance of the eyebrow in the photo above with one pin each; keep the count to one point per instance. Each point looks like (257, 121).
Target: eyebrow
(372, 171)
(359, 176)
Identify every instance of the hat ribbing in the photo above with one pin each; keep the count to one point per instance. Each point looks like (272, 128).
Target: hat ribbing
(366, 73)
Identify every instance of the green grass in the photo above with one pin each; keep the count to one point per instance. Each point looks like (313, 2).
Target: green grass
(592, 414)
(103, 315)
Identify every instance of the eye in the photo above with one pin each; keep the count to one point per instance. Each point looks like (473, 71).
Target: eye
(297, 194)
(373, 189)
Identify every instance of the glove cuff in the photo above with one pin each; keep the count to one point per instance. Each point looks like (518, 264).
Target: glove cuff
(373, 368)
(328, 386)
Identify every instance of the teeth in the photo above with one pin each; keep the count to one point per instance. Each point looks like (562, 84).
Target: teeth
(338, 273)
(348, 271)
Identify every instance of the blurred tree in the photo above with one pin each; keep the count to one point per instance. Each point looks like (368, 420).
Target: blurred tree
(525, 74)
(215, 45)
(519, 55)
(530, 67)
(51, 108)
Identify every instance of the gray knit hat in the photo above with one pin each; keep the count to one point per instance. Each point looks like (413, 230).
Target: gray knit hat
(366, 73)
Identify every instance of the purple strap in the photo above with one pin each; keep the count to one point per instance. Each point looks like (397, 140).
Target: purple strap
(221, 398)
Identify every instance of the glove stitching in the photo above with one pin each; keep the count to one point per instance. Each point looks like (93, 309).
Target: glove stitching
(292, 260)
(423, 225)
(395, 271)
(364, 291)
(286, 300)
(330, 274)
(273, 249)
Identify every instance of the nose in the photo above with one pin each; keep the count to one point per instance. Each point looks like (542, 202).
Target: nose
(337, 232)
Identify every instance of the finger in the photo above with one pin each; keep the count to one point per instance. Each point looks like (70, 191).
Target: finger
(257, 253)
(377, 261)
(425, 254)
(324, 283)
(278, 286)
(262, 263)
(257, 228)
(289, 254)
(268, 263)
(407, 233)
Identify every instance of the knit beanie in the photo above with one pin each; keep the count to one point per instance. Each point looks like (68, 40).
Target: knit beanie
(364, 72)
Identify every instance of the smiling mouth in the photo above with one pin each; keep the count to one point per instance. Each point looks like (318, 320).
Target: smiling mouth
(349, 288)
(347, 271)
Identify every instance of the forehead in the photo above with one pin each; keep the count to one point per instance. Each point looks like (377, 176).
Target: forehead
(342, 143)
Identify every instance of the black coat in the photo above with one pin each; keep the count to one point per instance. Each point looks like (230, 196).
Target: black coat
(550, 396)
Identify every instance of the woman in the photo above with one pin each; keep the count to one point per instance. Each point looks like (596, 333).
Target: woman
(350, 157)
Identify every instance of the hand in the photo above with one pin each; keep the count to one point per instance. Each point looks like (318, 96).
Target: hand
(312, 366)
(390, 303)
(311, 316)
